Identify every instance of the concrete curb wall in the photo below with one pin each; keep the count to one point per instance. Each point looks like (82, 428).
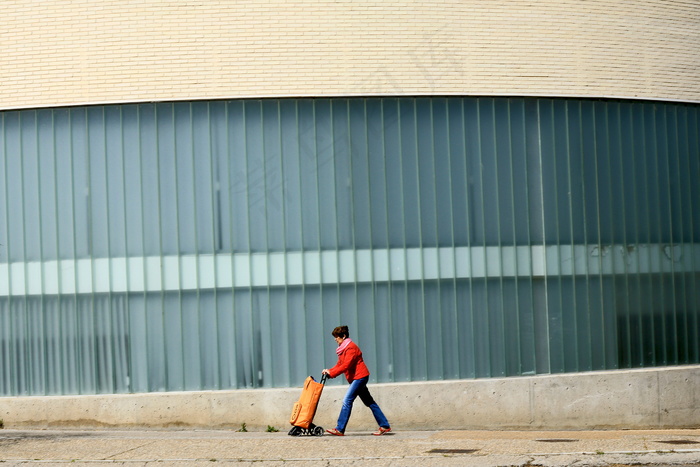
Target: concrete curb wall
(634, 399)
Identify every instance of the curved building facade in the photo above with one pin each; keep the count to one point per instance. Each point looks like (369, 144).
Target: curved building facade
(193, 195)
(75, 52)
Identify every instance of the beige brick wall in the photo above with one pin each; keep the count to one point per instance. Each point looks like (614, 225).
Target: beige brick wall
(64, 52)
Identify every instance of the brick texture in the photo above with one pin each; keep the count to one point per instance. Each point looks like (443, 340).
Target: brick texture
(67, 52)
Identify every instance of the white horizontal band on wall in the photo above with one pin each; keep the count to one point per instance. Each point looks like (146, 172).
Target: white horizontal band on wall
(202, 272)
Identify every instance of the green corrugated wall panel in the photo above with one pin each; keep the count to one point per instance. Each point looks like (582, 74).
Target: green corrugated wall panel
(212, 245)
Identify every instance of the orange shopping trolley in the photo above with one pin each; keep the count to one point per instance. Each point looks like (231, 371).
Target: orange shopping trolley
(304, 410)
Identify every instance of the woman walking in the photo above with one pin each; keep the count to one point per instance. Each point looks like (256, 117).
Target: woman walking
(350, 363)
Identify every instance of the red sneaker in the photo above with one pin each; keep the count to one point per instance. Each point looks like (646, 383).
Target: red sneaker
(335, 432)
(381, 431)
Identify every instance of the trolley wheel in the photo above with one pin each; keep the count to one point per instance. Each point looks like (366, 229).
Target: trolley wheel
(295, 431)
(318, 431)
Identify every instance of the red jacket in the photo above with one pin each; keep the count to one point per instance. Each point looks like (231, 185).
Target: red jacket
(351, 363)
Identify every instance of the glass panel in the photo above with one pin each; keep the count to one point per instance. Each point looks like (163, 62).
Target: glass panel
(213, 245)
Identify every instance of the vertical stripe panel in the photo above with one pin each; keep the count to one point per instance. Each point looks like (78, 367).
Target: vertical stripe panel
(214, 245)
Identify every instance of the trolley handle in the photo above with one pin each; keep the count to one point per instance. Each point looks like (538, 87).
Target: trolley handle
(324, 377)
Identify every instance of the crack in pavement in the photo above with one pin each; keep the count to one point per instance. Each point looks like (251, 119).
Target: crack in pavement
(128, 450)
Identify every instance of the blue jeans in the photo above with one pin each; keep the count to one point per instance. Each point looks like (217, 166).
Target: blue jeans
(359, 388)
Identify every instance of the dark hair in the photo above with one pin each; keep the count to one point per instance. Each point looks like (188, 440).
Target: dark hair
(341, 331)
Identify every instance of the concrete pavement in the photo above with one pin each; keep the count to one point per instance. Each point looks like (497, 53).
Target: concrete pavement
(401, 448)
